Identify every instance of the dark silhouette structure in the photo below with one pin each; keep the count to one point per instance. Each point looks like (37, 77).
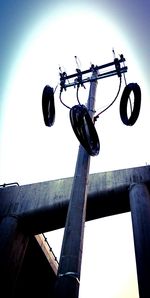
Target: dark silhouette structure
(27, 265)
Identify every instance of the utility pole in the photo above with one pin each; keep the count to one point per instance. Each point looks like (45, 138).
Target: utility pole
(82, 119)
(67, 284)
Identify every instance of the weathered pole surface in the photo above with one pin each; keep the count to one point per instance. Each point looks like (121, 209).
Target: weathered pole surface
(140, 212)
(68, 278)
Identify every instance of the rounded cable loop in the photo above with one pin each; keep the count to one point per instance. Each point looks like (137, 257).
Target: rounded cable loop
(84, 129)
(135, 88)
(48, 105)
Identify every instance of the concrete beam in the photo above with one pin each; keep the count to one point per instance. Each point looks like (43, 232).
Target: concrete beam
(42, 207)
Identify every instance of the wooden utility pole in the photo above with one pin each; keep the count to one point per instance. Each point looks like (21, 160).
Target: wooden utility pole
(67, 284)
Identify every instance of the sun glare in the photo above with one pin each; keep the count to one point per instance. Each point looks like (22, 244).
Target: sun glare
(52, 43)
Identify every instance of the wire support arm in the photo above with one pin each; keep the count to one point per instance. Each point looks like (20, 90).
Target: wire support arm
(122, 59)
(99, 76)
(118, 64)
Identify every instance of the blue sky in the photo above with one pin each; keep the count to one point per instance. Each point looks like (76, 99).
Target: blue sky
(17, 17)
(37, 36)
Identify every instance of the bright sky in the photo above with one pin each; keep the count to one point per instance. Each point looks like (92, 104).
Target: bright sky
(38, 39)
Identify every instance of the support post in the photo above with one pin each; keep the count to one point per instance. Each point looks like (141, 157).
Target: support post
(140, 212)
(68, 279)
(13, 244)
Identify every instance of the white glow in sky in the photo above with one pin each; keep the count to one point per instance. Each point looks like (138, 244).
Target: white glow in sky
(53, 42)
(31, 152)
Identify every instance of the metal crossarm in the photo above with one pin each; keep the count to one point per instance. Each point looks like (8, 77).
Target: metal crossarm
(117, 71)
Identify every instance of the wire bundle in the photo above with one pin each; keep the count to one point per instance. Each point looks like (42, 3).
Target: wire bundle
(81, 121)
(84, 129)
(124, 102)
(48, 105)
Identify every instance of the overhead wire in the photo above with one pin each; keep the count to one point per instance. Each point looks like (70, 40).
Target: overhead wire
(120, 82)
(63, 102)
(77, 94)
(126, 85)
(56, 88)
(105, 109)
(129, 95)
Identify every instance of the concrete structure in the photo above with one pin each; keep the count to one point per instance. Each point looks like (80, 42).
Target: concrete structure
(28, 210)
(38, 271)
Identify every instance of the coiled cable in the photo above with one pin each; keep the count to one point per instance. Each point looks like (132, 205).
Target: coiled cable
(48, 105)
(84, 129)
(135, 88)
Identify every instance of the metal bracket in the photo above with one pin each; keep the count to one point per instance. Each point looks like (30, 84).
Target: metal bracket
(70, 274)
(78, 76)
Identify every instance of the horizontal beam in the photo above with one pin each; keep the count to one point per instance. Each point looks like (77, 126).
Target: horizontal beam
(67, 77)
(100, 76)
(42, 207)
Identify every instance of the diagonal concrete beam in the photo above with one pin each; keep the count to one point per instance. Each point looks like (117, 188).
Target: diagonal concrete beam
(43, 206)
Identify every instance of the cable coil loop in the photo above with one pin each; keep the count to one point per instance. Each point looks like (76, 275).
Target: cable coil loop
(124, 102)
(48, 105)
(84, 129)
